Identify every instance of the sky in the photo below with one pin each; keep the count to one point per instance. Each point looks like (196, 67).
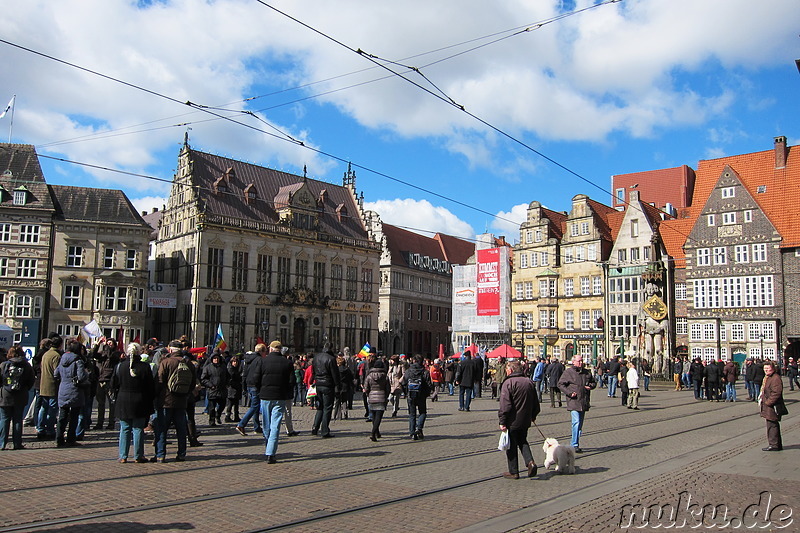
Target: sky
(455, 114)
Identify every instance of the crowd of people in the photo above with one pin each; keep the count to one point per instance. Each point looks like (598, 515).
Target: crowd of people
(151, 388)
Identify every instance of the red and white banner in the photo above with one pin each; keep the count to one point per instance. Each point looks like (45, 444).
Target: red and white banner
(489, 282)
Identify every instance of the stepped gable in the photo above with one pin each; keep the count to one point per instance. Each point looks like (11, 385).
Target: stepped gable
(339, 213)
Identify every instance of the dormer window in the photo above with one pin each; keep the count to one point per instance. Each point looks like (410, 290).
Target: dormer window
(21, 196)
(250, 194)
(220, 186)
(341, 212)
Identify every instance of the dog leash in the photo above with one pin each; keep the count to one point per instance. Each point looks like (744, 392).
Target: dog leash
(540, 431)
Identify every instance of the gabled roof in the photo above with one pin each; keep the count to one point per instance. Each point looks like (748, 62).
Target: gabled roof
(20, 170)
(757, 172)
(208, 168)
(443, 247)
(673, 234)
(603, 212)
(558, 222)
(94, 205)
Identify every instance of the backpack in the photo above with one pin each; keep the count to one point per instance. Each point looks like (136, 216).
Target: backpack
(12, 377)
(180, 381)
(414, 385)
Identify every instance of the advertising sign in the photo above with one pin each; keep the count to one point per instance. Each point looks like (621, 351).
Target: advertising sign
(162, 295)
(488, 282)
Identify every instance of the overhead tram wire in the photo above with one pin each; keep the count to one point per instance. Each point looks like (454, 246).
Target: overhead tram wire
(284, 136)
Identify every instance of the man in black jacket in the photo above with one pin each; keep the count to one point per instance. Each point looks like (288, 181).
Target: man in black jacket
(552, 375)
(519, 406)
(327, 379)
(418, 386)
(276, 376)
(465, 379)
(253, 384)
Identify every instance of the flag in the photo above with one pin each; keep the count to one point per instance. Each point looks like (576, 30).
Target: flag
(136, 340)
(82, 337)
(259, 340)
(219, 341)
(92, 329)
(120, 338)
(365, 350)
(9, 106)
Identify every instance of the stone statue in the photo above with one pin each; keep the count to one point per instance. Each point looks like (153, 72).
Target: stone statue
(653, 326)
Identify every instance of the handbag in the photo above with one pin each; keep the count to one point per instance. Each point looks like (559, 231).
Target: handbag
(505, 441)
(312, 392)
(780, 409)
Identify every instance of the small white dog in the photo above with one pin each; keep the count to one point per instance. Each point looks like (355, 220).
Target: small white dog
(561, 456)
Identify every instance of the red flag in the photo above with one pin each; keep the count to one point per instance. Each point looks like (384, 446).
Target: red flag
(120, 338)
(259, 340)
(441, 351)
(136, 340)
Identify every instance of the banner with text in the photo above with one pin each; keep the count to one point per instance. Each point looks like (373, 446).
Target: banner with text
(489, 282)
(162, 295)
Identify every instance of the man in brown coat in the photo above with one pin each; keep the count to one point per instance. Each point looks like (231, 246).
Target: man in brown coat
(772, 396)
(171, 405)
(519, 407)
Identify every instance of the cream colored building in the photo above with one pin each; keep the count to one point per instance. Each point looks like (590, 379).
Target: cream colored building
(265, 254)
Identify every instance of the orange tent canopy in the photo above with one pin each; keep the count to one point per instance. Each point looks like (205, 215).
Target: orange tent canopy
(504, 350)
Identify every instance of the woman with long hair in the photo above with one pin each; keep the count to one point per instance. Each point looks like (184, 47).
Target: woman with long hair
(376, 387)
(134, 386)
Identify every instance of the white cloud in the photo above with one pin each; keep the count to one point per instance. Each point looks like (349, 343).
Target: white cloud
(420, 216)
(507, 222)
(148, 203)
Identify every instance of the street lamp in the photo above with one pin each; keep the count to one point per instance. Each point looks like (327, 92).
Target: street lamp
(265, 330)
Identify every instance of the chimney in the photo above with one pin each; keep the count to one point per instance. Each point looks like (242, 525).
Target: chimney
(780, 152)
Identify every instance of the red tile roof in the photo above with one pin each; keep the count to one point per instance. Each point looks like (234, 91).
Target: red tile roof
(441, 246)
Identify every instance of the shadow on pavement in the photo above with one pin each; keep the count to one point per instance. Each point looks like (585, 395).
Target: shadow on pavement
(128, 527)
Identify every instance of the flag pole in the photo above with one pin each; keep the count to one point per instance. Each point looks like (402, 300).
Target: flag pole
(11, 126)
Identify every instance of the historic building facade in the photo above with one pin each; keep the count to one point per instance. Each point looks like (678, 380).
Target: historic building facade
(416, 288)
(265, 254)
(99, 263)
(26, 237)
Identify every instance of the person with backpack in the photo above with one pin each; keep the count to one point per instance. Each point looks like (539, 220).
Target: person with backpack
(253, 384)
(176, 379)
(17, 376)
(72, 378)
(417, 384)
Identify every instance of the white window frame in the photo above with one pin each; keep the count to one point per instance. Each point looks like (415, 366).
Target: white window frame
(528, 290)
(29, 233)
(728, 192)
(759, 253)
(569, 320)
(74, 256)
(710, 220)
(131, 257)
(742, 253)
(585, 285)
(720, 255)
(681, 325)
(680, 290)
(569, 287)
(5, 232)
(26, 267)
(71, 299)
(729, 218)
(523, 260)
(703, 256)
(109, 256)
(520, 291)
(20, 197)
(597, 285)
(3, 267)
(748, 215)
(534, 259)
(737, 332)
(528, 236)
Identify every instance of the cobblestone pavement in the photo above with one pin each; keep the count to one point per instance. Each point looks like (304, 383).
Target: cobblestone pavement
(673, 448)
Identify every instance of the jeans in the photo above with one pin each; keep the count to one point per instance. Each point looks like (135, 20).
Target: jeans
(476, 390)
(730, 391)
(322, 419)
(518, 440)
(647, 383)
(11, 416)
(612, 385)
(299, 393)
(287, 416)
(134, 426)
(47, 415)
(464, 397)
(85, 417)
(698, 390)
(450, 388)
(577, 427)
(416, 421)
(272, 411)
(253, 412)
(32, 416)
(166, 416)
(756, 390)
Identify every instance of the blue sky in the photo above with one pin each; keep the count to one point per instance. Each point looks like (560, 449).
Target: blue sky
(623, 87)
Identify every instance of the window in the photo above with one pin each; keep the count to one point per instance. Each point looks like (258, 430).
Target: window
(543, 319)
(569, 319)
(720, 255)
(337, 276)
(574, 229)
(710, 220)
(553, 319)
(591, 252)
(703, 256)
(534, 259)
(634, 255)
(26, 268)
(3, 267)
(529, 236)
(28, 233)
(523, 260)
(742, 253)
(283, 275)
(319, 278)
(239, 272)
(72, 297)
(737, 332)
(264, 273)
(528, 290)
(681, 325)
(27, 306)
(538, 235)
(597, 285)
(130, 259)
(545, 259)
(680, 291)
(584, 228)
(520, 290)
(419, 311)
(301, 273)
(108, 258)
(115, 299)
(585, 286)
(728, 192)
(366, 285)
(723, 332)
(568, 254)
(569, 287)
(759, 253)
(579, 254)
(620, 196)
(709, 333)
(622, 255)
(709, 354)
(646, 253)
(351, 286)
(634, 228)
(624, 290)
(596, 315)
(544, 291)
(696, 332)
(19, 198)
(728, 218)
(748, 215)
(5, 232)
(586, 321)
(75, 256)
(743, 291)
(214, 274)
